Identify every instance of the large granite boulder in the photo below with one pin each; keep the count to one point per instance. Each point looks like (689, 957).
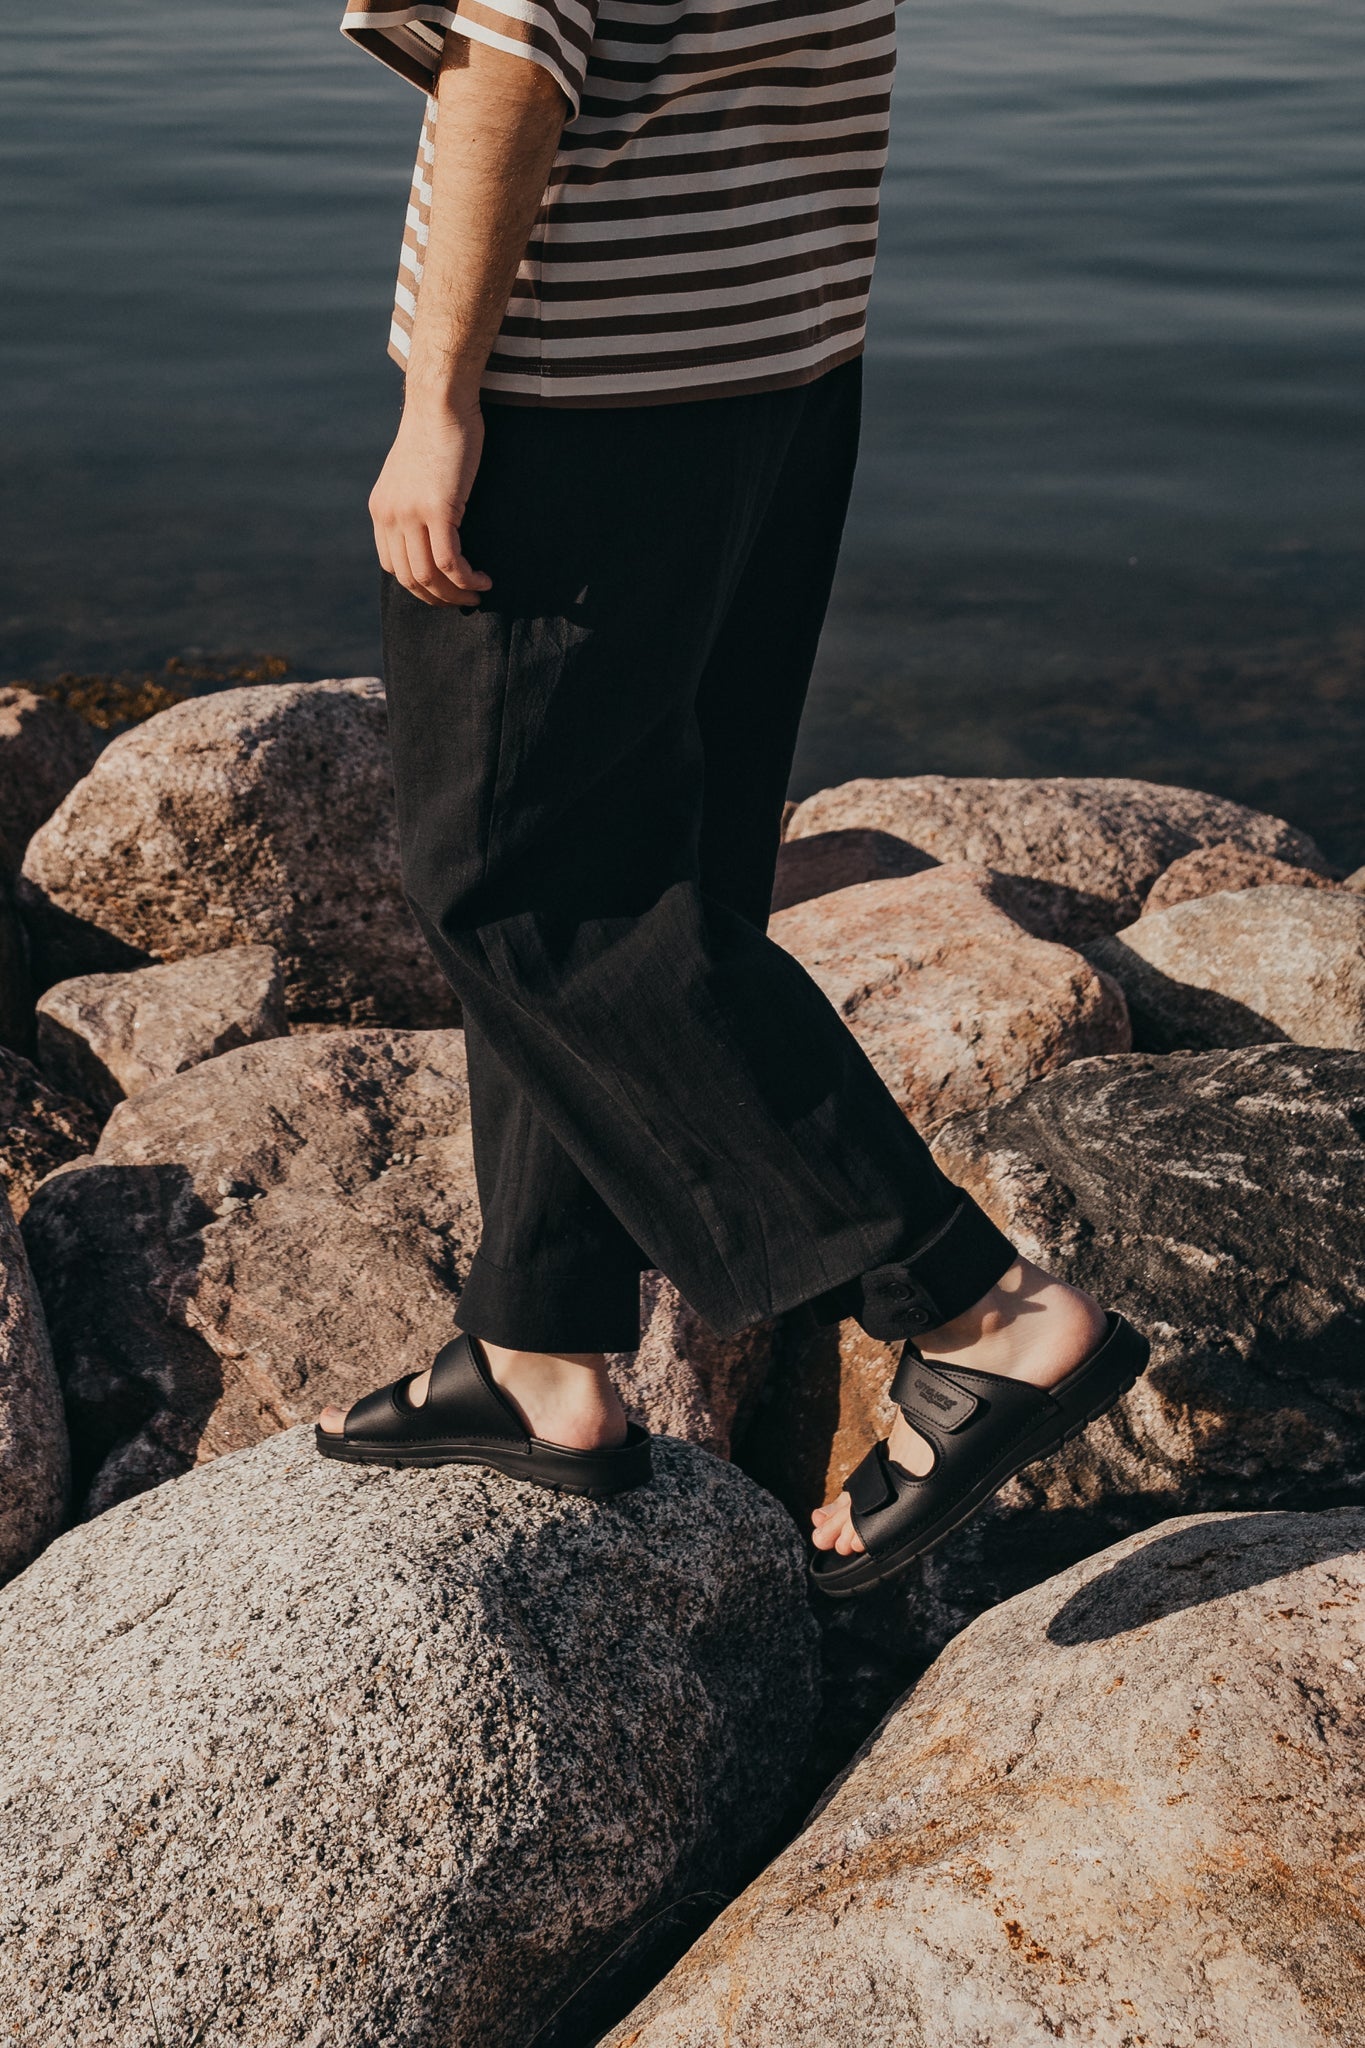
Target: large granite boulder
(44, 748)
(296, 1752)
(259, 816)
(40, 1128)
(34, 1461)
(1244, 967)
(1127, 1807)
(283, 1226)
(1081, 851)
(686, 1381)
(1219, 1200)
(1211, 868)
(107, 1036)
(825, 861)
(951, 1000)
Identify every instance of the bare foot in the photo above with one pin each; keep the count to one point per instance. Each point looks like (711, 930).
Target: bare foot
(1029, 1327)
(564, 1398)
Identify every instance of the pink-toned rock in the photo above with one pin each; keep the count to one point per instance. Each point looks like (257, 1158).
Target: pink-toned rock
(837, 860)
(1245, 967)
(1083, 851)
(259, 816)
(34, 1461)
(953, 1003)
(684, 1380)
(284, 1226)
(40, 1128)
(1225, 866)
(44, 749)
(107, 1036)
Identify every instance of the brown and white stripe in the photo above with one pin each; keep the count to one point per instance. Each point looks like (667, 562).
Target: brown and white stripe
(710, 222)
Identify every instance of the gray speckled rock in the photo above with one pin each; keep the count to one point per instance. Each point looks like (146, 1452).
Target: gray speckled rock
(1082, 851)
(950, 999)
(286, 1225)
(34, 1461)
(381, 1760)
(1128, 1807)
(1244, 967)
(40, 1128)
(107, 1036)
(260, 816)
(44, 748)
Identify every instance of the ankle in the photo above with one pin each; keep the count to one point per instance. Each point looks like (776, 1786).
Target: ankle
(1029, 1315)
(563, 1370)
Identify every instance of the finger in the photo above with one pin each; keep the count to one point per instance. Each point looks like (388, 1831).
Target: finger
(450, 560)
(438, 588)
(382, 549)
(402, 568)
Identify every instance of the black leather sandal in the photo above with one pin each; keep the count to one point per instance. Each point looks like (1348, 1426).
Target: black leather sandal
(467, 1420)
(982, 1429)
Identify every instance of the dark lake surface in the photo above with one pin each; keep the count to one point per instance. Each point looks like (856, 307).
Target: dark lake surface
(1111, 510)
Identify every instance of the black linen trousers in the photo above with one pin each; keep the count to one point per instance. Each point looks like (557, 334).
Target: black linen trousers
(590, 773)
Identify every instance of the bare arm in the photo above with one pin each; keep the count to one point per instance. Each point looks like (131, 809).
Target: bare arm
(496, 137)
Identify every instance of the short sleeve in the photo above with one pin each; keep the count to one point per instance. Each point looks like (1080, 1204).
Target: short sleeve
(556, 34)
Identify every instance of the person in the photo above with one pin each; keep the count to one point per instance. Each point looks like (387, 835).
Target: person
(631, 311)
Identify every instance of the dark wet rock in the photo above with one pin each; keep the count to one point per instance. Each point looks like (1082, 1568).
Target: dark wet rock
(296, 1752)
(260, 816)
(1128, 1806)
(1244, 967)
(107, 1036)
(41, 1128)
(1081, 851)
(34, 1461)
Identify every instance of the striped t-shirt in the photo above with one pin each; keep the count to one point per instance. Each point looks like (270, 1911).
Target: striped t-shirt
(710, 222)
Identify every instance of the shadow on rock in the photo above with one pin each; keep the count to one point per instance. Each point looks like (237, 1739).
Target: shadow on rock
(1191, 1565)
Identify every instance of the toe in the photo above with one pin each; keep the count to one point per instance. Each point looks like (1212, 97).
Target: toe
(332, 1421)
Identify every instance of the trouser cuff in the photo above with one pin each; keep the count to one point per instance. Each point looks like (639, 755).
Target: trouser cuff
(590, 1306)
(943, 1275)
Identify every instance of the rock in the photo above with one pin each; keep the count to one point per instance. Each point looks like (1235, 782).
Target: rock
(1219, 1200)
(1083, 851)
(1356, 881)
(42, 1128)
(950, 1000)
(44, 749)
(827, 861)
(107, 1036)
(259, 816)
(34, 1464)
(16, 989)
(1225, 866)
(283, 1226)
(296, 1752)
(1244, 967)
(684, 1380)
(1127, 1807)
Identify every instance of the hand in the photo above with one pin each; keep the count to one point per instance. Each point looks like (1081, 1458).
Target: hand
(419, 501)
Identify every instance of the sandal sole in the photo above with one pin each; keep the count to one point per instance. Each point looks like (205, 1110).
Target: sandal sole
(882, 1571)
(512, 1465)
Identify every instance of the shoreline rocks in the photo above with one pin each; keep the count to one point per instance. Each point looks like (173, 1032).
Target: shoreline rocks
(35, 1465)
(107, 1036)
(951, 1000)
(259, 816)
(302, 1751)
(45, 749)
(42, 1128)
(1081, 851)
(1129, 1805)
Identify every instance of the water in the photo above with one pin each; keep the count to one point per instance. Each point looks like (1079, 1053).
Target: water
(1111, 511)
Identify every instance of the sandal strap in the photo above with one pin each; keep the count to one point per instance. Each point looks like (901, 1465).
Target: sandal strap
(462, 1401)
(928, 1399)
